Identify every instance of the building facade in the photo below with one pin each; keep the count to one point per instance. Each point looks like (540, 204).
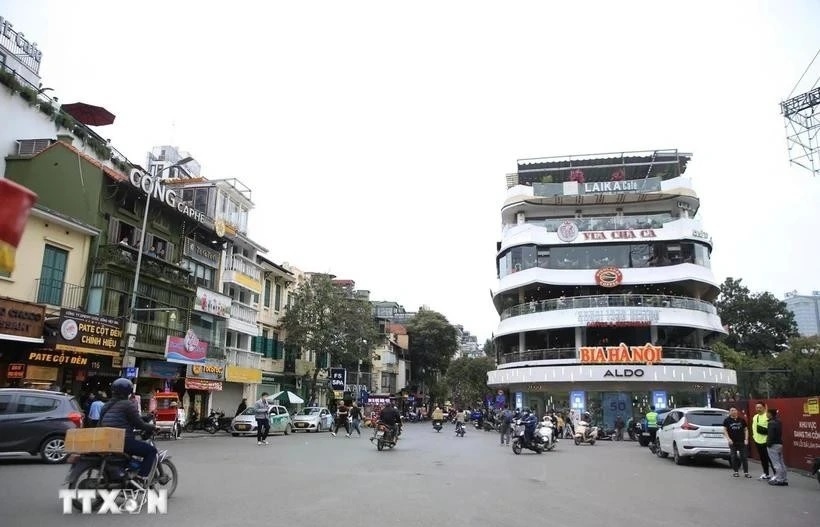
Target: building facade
(278, 282)
(605, 289)
(806, 310)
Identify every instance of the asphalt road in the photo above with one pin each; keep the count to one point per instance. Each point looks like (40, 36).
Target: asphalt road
(430, 479)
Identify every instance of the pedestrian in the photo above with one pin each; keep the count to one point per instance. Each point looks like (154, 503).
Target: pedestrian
(506, 425)
(356, 419)
(94, 411)
(760, 429)
(341, 419)
(619, 428)
(262, 413)
(242, 406)
(737, 433)
(774, 442)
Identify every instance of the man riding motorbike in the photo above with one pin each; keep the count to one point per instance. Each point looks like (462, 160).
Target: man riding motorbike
(119, 412)
(390, 416)
(438, 416)
(530, 421)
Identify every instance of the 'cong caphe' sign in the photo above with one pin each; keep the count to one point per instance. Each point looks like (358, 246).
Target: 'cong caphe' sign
(622, 354)
(157, 189)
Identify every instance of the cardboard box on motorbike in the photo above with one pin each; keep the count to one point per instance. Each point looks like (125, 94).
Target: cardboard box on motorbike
(94, 440)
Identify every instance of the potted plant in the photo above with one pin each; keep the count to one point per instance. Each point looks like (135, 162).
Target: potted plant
(79, 133)
(46, 108)
(547, 178)
(8, 79)
(28, 95)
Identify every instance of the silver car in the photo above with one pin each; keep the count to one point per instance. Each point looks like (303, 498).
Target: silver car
(245, 423)
(313, 419)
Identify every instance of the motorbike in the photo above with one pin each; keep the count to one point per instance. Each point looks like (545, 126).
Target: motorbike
(460, 429)
(117, 471)
(212, 422)
(585, 433)
(384, 436)
(437, 426)
(520, 441)
(546, 433)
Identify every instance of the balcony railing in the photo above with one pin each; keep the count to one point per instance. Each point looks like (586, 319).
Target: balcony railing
(155, 335)
(572, 354)
(58, 293)
(612, 223)
(244, 358)
(243, 313)
(244, 266)
(601, 301)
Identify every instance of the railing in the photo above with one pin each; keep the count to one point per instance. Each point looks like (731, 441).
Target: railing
(244, 266)
(125, 256)
(244, 358)
(243, 313)
(59, 293)
(612, 223)
(673, 352)
(600, 301)
(155, 335)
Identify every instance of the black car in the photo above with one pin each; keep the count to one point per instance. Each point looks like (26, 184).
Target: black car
(35, 421)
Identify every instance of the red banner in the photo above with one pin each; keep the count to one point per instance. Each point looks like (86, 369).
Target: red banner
(15, 205)
(16, 371)
(800, 417)
(203, 384)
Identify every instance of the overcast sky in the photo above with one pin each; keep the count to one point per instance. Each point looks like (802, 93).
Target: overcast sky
(376, 135)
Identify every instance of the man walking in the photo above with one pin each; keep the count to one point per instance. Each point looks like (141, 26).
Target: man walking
(737, 433)
(774, 442)
(760, 429)
(94, 411)
(341, 420)
(261, 409)
(506, 425)
(356, 419)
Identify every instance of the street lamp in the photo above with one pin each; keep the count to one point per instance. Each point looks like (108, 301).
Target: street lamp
(128, 360)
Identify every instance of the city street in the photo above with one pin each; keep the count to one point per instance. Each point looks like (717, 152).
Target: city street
(429, 479)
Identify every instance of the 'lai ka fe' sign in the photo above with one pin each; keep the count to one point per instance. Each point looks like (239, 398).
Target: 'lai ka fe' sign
(622, 354)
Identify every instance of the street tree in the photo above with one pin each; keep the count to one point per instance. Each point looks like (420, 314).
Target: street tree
(432, 344)
(489, 348)
(467, 379)
(331, 323)
(758, 323)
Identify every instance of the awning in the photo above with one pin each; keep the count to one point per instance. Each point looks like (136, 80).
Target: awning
(16, 338)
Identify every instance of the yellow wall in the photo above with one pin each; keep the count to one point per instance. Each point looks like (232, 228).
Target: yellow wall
(39, 232)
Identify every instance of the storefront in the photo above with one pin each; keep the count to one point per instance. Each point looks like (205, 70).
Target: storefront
(201, 381)
(21, 329)
(157, 375)
(240, 383)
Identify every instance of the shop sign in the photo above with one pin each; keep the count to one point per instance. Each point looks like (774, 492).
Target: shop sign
(631, 234)
(212, 369)
(608, 277)
(568, 231)
(247, 281)
(243, 375)
(157, 188)
(157, 369)
(21, 319)
(610, 315)
(622, 187)
(17, 43)
(41, 373)
(703, 235)
(338, 379)
(16, 371)
(213, 303)
(625, 372)
(86, 333)
(203, 385)
(622, 354)
(51, 358)
(200, 253)
(186, 350)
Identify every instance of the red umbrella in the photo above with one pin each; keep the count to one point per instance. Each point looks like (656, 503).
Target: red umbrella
(88, 114)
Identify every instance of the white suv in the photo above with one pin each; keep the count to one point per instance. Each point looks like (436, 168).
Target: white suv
(688, 433)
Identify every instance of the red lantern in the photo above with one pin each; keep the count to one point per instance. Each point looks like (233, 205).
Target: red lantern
(15, 205)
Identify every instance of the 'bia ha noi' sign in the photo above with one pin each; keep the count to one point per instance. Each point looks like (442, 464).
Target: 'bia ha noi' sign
(622, 354)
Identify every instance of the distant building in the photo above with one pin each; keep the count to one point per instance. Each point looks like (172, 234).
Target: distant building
(806, 309)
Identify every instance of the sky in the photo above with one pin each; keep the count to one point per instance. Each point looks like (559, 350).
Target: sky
(376, 135)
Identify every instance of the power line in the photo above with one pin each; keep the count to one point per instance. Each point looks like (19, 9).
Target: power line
(804, 73)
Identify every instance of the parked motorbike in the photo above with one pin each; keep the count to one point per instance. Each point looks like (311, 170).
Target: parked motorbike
(635, 431)
(117, 471)
(437, 426)
(212, 423)
(460, 429)
(585, 433)
(520, 441)
(384, 436)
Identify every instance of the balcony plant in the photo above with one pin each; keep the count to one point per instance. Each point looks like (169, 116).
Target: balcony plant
(577, 175)
(28, 95)
(8, 79)
(46, 108)
(548, 178)
(79, 133)
(63, 120)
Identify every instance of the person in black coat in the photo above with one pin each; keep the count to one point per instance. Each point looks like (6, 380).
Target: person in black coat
(120, 412)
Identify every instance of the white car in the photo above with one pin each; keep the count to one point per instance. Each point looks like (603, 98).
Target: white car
(313, 419)
(690, 433)
(245, 423)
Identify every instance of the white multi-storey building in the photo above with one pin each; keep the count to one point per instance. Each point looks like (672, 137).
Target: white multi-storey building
(605, 288)
(806, 310)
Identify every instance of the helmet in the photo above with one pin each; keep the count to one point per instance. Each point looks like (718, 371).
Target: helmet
(122, 388)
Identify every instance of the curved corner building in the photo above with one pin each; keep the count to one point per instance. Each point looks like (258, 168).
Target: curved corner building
(605, 288)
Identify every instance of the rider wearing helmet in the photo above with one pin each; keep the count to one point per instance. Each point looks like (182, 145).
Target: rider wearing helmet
(119, 412)
(530, 421)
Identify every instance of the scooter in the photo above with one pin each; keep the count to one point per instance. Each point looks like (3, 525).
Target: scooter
(520, 441)
(546, 433)
(437, 426)
(460, 429)
(585, 433)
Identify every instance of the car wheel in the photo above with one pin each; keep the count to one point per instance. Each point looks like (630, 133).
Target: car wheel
(660, 453)
(52, 451)
(679, 460)
(235, 435)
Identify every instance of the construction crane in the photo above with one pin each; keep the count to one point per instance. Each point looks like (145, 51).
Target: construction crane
(802, 115)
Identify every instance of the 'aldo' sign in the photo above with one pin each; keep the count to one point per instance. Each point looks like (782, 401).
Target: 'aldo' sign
(626, 372)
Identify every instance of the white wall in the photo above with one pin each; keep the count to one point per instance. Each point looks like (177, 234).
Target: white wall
(18, 120)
